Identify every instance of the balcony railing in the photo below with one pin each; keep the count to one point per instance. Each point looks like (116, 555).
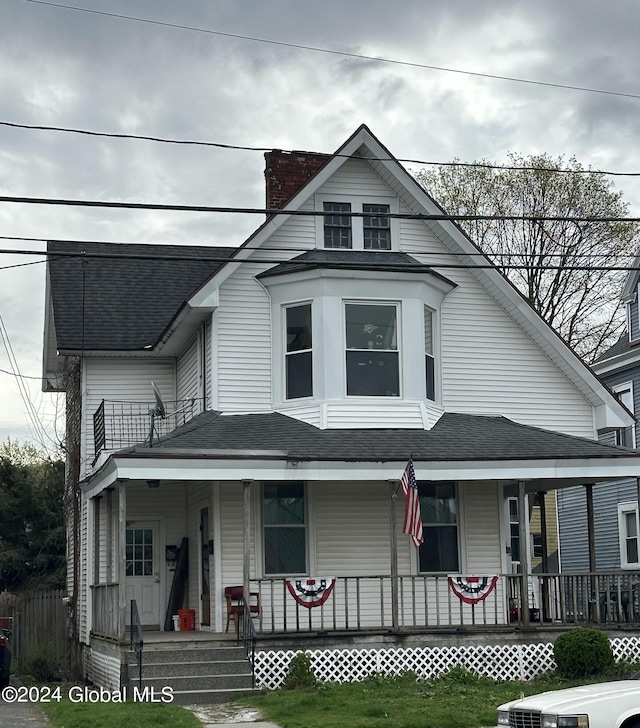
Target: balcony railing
(118, 424)
(364, 603)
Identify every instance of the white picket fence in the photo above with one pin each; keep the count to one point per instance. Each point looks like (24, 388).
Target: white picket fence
(500, 662)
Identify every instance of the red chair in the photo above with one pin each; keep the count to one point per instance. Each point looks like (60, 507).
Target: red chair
(235, 605)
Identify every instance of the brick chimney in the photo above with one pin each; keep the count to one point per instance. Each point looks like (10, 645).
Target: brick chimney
(286, 172)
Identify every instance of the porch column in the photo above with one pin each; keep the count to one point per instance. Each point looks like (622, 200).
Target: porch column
(591, 528)
(122, 559)
(393, 488)
(246, 549)
(524, 553)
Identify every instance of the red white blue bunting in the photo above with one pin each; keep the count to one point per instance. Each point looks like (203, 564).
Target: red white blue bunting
(472, 589)
(311, 592)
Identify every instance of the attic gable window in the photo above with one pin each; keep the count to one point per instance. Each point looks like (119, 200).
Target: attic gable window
(376, 227)
(337, 225)
(350, 222)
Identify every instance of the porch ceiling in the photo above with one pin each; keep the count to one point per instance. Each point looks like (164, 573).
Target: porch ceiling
(272, 446)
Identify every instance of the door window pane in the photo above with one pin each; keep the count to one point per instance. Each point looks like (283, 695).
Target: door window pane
(139, 552)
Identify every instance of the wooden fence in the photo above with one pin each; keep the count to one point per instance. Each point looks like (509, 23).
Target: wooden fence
(41, 624)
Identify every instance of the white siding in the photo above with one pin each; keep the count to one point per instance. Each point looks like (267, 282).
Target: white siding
(122, 380)
(167, 505)
(188, 372)
(102, 664)
(357, 178)
(244, 343)
(208, 376)
(489, 364)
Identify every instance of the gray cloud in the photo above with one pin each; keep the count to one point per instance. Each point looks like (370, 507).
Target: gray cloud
(66, 68)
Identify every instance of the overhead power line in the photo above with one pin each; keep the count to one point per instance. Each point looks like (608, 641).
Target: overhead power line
(270, 248)
(331, 51)
(443, 216)
(245, 148)
(350, 264)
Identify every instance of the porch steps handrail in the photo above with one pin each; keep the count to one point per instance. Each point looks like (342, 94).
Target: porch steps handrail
(137, 641)
(249, 637)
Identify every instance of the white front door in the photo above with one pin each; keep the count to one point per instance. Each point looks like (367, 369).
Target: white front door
(142, 570)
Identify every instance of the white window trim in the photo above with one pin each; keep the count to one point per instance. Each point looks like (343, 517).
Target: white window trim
(623, 509)
(357, 229)
(461, 527)
(623, 387)
(283, 349)
(309, 532)
(399, 343)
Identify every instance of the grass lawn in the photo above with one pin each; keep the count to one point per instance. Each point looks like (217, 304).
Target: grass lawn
(456, 700)
(66, 714)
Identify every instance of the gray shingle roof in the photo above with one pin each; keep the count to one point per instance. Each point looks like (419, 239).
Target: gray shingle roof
(456, 437)
(350, 259)
(129, 301)
(621, 346)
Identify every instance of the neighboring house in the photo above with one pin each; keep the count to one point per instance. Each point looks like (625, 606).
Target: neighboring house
(302, 370)
(615, 504)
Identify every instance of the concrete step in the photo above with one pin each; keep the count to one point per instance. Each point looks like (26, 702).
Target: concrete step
(184, 669)
(153, 655)
(196, 682)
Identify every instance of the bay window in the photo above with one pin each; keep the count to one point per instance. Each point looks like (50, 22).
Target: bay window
(298, 353)
(429, 358)
(372, 353)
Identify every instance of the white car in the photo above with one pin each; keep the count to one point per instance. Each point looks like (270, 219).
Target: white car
(601, 705)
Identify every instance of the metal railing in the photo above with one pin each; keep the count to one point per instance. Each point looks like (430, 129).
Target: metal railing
(137, 641)
(247, 633)
(118, 424)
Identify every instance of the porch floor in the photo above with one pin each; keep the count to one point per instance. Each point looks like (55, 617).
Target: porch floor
(155, 636)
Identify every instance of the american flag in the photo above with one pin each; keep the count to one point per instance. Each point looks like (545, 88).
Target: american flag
(412, 517)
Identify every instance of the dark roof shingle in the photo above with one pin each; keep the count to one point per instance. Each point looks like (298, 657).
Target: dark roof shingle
(128, 300)
(455, 437)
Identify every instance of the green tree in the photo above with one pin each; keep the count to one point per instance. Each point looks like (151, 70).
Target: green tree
(32, 535)
(540, 256)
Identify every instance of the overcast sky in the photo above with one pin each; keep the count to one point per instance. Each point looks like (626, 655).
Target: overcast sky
(65, 68)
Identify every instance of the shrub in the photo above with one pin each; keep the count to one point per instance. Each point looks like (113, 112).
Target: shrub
(583, 652)
(300, 674)
(42, 663)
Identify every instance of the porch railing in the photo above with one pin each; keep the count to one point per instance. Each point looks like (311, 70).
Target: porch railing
(105, 609)
(361, 603)
(118, 424)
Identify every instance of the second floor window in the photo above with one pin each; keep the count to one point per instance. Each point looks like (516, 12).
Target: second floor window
(298, 355)
(429, 358)
(372, 356)
(625, 436)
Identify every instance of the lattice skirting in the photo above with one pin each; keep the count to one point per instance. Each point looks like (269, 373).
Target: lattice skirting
(500, 662)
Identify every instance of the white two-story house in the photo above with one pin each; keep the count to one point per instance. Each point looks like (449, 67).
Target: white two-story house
(252, 409)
